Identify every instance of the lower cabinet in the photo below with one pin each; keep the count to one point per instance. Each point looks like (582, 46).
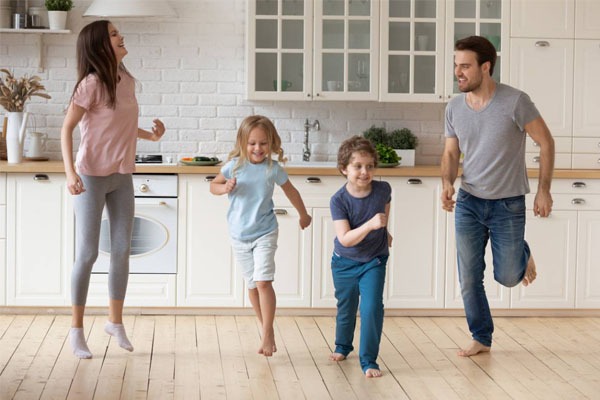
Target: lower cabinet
(588, 260)
(39, 240)
(323, 291)
(2, 239)
(143, 290)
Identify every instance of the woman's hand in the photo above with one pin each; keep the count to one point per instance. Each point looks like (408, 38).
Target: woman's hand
(158, 130)
(75, 184)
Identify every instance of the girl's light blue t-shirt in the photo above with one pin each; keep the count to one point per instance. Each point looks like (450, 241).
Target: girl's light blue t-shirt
(250, 214)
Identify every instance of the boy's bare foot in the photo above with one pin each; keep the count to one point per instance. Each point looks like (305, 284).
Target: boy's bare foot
(336, 357)
(474, 348)
(530, 272)
(268, 346)
(373, 373)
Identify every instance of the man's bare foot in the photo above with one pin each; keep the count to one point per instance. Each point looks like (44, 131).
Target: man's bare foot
(373, 373)
(336, 357)
(268, 347)
(474, 348)
(530, 272)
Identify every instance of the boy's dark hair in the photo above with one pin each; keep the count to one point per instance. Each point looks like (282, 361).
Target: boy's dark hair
(355, 144)
(483, 48)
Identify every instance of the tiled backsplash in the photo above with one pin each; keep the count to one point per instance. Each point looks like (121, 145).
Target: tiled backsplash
(190, 73)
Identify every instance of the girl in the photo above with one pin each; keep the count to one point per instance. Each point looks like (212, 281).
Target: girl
(103, 103)
(360, 211)
(249, 178)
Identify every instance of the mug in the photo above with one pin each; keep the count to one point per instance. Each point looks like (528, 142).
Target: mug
(37, 144)
(422, 41)
(334, 86)
(285, 85)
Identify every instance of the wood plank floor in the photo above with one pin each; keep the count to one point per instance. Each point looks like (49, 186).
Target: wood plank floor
(214, 357)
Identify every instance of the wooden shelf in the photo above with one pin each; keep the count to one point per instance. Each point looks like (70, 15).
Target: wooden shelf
(40, 34)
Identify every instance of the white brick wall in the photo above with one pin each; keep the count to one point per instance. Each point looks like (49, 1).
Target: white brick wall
(191, 75)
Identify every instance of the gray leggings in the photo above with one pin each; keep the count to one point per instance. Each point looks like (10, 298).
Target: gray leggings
(116, 191)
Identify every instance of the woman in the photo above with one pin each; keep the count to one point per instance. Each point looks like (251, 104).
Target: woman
(103, 103)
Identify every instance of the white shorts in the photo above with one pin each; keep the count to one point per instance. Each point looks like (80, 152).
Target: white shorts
(256, 258)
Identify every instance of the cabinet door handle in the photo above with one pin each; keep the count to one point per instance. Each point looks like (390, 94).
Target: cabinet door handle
(313, 179)
(579, 185)
(542, 43)
(280, 211)
(41, 177)
(578, 202)
(536, 159)
(414, 181)
(209, 178)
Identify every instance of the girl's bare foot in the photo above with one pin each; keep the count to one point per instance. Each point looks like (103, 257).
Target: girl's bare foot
(336, 357)
(474, 348)
(268, 346)
(373, 373)
(530, 272)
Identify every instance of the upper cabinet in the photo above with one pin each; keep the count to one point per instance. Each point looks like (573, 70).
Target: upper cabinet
(285, 35)
(386, 50)
(543, 19)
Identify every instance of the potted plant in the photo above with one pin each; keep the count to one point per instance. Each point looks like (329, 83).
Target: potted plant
(376, 135)
(405, 143)
(387, 156)
(57, 13)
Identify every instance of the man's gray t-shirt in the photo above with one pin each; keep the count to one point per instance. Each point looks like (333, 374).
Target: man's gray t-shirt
(493, 142)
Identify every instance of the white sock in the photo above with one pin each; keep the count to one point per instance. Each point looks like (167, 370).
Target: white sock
(118, 331)
(78, 344)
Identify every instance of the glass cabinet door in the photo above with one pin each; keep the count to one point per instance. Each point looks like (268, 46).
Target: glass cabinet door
(346, 49)
(488, 18)
(279, 49)
(412, 50)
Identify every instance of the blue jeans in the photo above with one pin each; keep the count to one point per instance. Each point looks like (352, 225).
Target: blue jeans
(354, 280)
(477, 220)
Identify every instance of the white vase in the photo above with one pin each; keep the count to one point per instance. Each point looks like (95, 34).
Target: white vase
(407, 157)
(15, 136)
(57, 20)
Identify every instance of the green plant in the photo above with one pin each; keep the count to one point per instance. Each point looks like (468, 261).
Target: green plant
(59, 5)
(386, 154)
(403, 139)
(376, 135)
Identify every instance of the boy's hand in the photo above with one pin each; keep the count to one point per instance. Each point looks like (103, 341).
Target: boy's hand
(378, 221)
(230, 185)
(305, 221)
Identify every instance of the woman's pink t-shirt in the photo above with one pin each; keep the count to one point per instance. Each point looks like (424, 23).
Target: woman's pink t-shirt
(108, 136)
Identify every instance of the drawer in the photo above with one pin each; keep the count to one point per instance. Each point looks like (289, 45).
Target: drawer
(561, 145)
(586, 145)
(570, 186)
(561, 160)
(586, 161)
(316, 191)
(570, 202)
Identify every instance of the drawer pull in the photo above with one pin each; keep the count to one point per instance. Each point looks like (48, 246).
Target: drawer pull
(536, 159)
(542, 43)
(209, 178)
(579, 185)
(414, 181)
(313, 179)
(41, 177)
(578, 202)
(280, 211)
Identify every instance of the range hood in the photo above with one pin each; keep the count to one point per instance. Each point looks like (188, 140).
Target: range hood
(130, 8)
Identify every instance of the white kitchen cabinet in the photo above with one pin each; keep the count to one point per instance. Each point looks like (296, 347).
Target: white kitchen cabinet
(284, 36)
(39, 240)
(323, 290)
(554, 101)
(587, 14)
(586, 102)
(2, 239)
(143, 290)
(543, 18)
(416, 268)
(207, 276)
(588, 260)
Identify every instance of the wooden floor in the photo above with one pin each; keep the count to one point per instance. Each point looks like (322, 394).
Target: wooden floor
(208, 357)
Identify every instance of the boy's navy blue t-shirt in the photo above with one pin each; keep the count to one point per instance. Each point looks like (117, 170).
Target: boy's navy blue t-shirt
(357, 211)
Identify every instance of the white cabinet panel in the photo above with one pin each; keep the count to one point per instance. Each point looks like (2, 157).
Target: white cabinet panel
(542, 18)
(586, 101)
(143, 290)
(588, 260)
(40, 240)
(587, 15)
(323, 291)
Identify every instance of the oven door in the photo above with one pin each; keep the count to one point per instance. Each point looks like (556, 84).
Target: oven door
(154, 238)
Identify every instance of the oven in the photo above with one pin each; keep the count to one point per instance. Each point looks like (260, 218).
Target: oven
(154, 238)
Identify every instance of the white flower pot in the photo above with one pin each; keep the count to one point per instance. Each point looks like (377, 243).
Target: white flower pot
(57, 20)
(407, 157)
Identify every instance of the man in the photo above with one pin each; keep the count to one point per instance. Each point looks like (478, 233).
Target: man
(488, 123)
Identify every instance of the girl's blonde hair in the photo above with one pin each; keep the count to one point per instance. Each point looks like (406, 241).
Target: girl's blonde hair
(241, 143)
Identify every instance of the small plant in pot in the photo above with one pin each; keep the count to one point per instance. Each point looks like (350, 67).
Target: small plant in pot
(405, 143)
(387, 155)
(57, 13)
(376, 135)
